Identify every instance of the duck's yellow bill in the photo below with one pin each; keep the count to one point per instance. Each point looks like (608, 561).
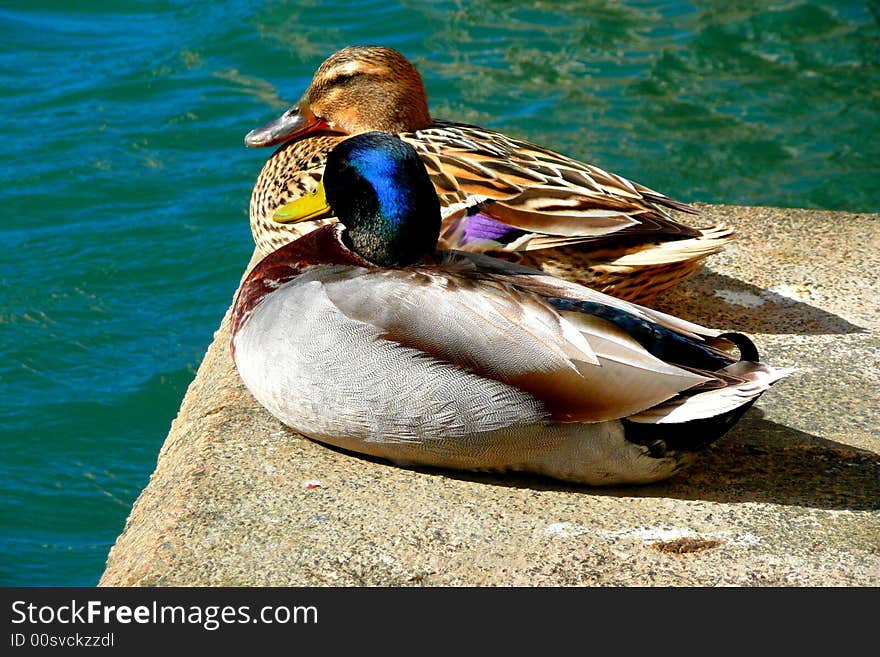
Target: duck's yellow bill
(305, 208)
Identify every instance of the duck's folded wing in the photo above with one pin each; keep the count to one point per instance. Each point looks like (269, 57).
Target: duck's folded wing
(732, 380)
(479, 267)
(538, 190)
(581, 372)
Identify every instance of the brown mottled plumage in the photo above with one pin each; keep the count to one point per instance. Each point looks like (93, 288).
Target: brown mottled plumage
(569, 218)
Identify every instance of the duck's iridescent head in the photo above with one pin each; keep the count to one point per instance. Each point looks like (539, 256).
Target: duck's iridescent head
(356, 89)
(379, 189)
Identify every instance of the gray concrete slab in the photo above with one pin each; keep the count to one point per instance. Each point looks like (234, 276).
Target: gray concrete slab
(790, 497)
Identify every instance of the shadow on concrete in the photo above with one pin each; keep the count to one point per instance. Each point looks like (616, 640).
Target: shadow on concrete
(723, 302)
(758, 461)
(762, 461)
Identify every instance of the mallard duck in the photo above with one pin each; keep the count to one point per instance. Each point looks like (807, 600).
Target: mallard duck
(500, 195)
(362, 335)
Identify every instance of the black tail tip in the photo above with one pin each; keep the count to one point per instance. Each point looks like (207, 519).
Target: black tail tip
(747, 348)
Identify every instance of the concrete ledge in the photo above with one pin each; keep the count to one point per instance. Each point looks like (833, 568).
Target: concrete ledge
(790, 497)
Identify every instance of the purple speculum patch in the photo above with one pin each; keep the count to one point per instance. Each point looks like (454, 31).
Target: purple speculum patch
(482, 227)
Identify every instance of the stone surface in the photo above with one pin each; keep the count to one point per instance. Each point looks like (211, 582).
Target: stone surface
(791, 496)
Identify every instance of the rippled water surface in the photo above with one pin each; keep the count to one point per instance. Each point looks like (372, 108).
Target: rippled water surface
(125, 182)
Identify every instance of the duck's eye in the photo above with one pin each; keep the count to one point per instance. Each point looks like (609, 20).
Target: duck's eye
(342, 77)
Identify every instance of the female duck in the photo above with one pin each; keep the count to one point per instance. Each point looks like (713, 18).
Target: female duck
(499, 195)
(361, 335)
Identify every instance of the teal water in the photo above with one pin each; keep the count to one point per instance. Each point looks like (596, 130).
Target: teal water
(125, 183)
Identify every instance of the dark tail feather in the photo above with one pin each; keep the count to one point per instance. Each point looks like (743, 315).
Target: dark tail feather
(686, 437)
